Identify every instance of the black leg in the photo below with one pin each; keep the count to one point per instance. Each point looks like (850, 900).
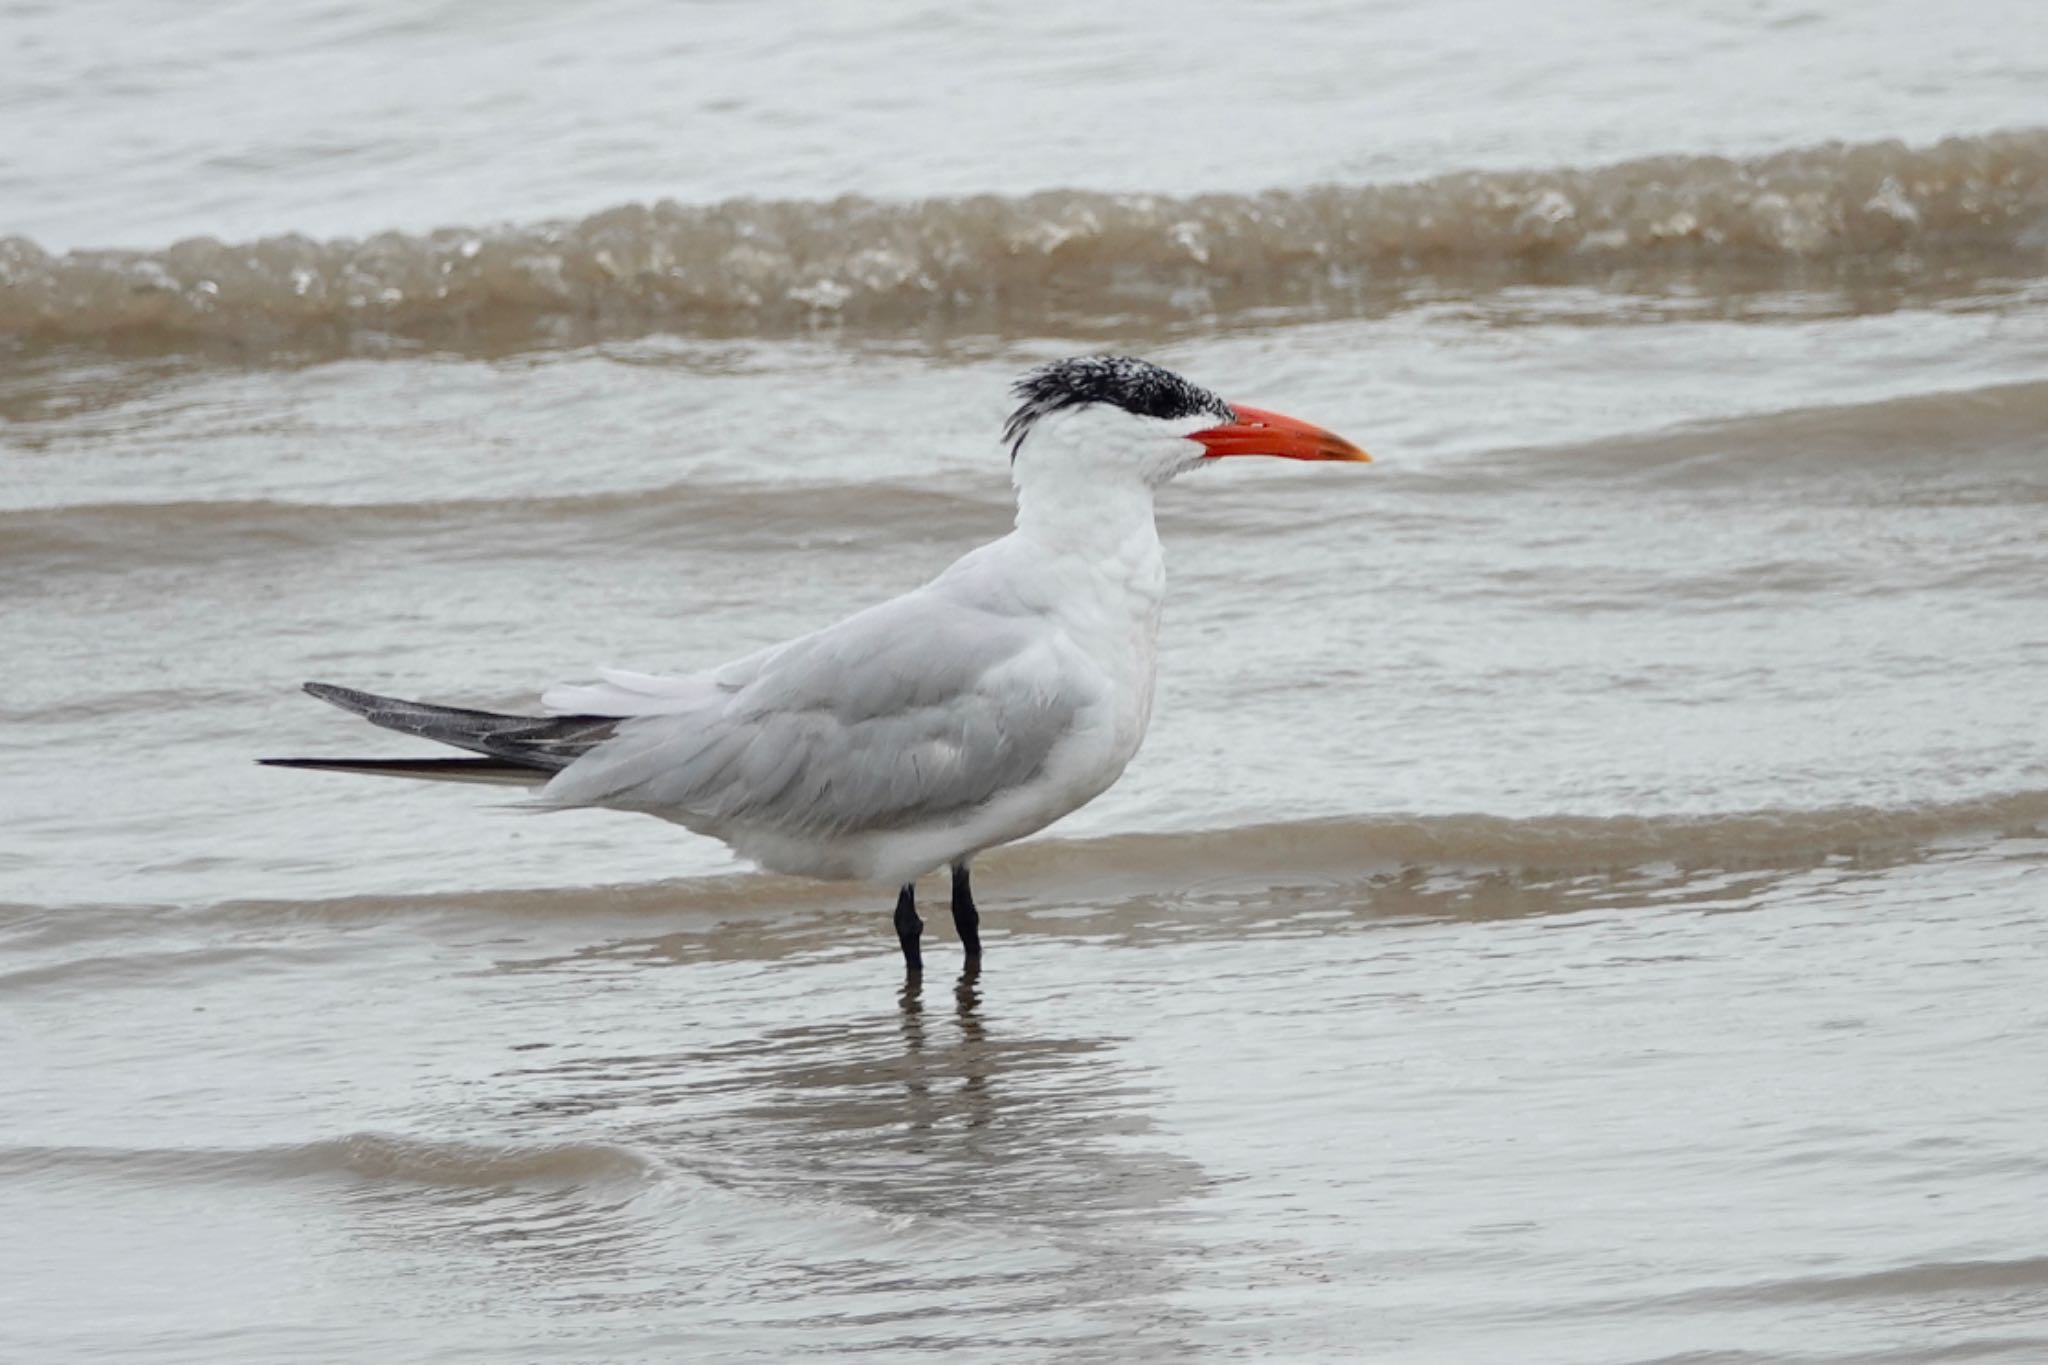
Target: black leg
(966, 919)
(908, 927)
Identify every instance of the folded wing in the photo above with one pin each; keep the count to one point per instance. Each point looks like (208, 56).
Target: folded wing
(919, 709)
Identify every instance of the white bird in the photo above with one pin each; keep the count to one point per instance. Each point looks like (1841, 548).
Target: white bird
(1004, 694)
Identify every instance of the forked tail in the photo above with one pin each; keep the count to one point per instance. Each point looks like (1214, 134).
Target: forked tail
(526, 750)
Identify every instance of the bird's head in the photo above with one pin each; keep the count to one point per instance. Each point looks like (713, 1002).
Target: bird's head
(1106, 416)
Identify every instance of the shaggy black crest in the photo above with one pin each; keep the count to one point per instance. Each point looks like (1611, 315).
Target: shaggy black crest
(1136, 386)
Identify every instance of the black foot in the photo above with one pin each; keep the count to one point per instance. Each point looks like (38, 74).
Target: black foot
(908, 927)
(966, 919)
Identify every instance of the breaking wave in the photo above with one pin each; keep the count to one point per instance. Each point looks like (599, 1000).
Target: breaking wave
(747, 265)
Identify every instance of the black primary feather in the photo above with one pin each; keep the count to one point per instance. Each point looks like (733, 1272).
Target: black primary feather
(548, 743)
(1137, 386)
(503, 770)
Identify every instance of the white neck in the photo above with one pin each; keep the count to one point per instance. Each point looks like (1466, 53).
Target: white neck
(1085, 478)
(1095, 520)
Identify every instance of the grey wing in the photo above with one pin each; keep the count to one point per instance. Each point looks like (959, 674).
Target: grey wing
(912, 711)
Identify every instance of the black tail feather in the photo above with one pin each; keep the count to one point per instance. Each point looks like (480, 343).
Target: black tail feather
(432, 769)
(550, 743)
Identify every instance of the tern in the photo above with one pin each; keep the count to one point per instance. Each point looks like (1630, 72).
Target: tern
(1007, 692)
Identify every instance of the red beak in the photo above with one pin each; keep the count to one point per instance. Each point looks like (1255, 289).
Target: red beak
(1258, 432)
(1268, 432)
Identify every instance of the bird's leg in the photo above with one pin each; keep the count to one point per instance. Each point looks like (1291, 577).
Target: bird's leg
(908, 927)
(966, 919)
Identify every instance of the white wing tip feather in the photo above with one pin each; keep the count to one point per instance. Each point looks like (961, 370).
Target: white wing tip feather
(572, 699)
(625, 693)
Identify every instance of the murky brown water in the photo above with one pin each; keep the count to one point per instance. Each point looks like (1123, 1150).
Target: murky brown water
(1583, 895)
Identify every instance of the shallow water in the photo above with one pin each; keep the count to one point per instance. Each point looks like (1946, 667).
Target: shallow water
(1581, 898)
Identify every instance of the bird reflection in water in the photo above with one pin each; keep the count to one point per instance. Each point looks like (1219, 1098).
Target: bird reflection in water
(980, 1104)
(969, 1059)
